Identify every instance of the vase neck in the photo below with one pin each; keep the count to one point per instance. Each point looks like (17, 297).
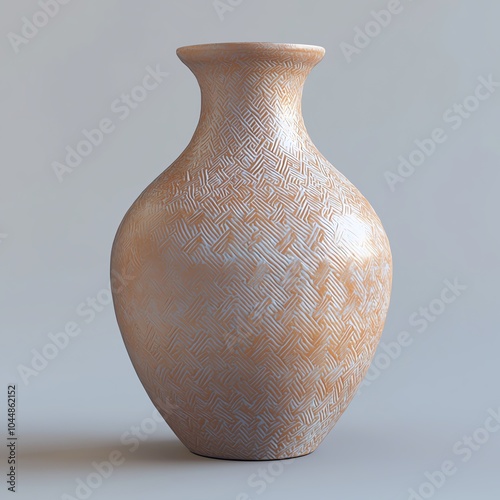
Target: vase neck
(250, 89)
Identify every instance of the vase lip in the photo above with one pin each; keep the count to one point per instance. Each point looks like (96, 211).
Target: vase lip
(233, 51)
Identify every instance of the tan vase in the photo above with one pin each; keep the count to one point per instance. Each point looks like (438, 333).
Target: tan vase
(260, 275)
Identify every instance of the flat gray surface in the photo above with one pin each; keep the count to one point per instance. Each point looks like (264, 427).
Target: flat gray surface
(442, 221)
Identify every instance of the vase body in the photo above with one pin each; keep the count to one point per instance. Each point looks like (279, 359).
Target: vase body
(259, 276)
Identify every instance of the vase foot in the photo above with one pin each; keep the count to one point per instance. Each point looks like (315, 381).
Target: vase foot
(250, 459)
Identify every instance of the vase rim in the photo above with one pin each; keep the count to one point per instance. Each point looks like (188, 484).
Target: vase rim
(249, 50)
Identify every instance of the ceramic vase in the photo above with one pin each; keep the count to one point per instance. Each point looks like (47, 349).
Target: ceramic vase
(260, 276)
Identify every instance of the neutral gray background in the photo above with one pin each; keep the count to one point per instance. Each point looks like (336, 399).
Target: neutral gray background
(442, 221)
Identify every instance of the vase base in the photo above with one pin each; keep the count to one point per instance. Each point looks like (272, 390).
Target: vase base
(250, 459)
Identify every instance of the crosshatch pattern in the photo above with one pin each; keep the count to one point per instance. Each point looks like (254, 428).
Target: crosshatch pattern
(261, 276)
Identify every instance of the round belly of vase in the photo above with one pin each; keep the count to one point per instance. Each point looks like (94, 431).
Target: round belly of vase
(251, 322)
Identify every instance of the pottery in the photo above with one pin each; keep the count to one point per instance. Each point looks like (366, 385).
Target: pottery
(258, 277)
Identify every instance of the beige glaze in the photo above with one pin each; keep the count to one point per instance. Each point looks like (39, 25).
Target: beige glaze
(258, 277)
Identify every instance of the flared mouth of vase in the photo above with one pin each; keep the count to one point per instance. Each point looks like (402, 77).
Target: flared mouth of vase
(234, 51)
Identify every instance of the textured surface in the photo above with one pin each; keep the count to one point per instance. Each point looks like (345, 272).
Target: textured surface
(261, 276)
